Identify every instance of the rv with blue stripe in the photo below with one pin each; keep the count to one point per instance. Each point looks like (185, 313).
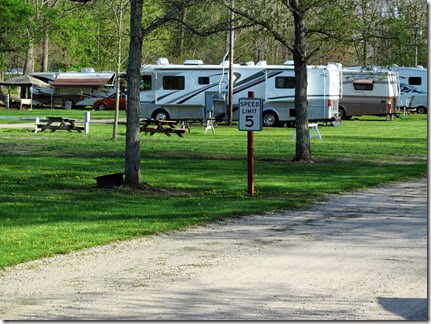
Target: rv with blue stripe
(182, 91)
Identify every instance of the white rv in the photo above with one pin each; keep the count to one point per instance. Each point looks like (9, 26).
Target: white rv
(79, 88)
(413, 88)
(369, 91)
(184, 91)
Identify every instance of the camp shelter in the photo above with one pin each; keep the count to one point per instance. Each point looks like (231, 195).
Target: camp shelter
(24, 81)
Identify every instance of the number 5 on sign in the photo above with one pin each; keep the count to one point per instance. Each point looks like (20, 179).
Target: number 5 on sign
(250, 114)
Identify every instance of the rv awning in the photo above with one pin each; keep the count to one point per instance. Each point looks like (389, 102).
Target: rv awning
(83, 82)
(80, 83)
(363, 81)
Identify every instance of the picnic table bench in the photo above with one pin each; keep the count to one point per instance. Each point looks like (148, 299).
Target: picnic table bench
(59, 123)
(166, 127)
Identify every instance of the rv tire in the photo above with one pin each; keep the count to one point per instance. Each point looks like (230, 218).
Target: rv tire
(160, 114)
(421, 110)
(270, 119)
(342, 113)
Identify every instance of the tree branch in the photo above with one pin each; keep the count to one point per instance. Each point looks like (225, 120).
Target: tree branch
(220, 27)
(262, 23)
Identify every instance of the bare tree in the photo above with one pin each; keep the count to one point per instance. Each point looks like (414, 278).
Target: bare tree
(312, 27)
(298, 9)
(119, 12)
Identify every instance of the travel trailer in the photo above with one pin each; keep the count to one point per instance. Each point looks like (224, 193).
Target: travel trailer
(77, 89)
(413, 87)
(418, 102)
(186, 91)
(369, 91)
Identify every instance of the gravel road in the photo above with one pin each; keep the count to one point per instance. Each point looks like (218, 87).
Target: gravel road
(360, 256)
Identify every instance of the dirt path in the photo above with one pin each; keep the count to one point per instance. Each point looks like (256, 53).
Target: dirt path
(361, 256)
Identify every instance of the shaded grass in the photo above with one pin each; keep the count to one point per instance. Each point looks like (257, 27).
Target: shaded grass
(49, 202)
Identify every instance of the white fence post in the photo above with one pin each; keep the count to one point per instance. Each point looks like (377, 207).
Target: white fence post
(87, 122)
(36, 122)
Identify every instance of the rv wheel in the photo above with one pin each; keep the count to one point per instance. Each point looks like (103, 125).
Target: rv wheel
(270, 119)
(421, 110)
(101, 106)
(342, 113)
(160, 115)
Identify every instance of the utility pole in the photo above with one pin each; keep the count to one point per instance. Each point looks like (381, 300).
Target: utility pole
(231, 54)
(416, 39)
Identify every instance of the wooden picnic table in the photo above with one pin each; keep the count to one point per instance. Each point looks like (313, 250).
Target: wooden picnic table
(166, 127)
(59, 123)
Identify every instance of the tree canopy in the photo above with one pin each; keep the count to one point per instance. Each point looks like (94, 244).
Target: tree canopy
(83, 33)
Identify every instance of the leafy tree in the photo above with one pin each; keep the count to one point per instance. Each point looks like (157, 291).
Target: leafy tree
(37, 29)
(13, 16)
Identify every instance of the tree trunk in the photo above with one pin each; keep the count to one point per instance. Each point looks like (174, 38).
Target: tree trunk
(364, 53)
(303, 151)
(29, 59)
(117, 92)
(133, 153)
(180, 34)
(231, 58)
(45, 52)
(2, 89)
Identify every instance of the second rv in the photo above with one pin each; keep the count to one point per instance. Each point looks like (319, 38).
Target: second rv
(369, 91)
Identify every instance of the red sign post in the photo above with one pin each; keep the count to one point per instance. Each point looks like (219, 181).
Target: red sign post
(250, 119)
(250, 155)
(250, 162)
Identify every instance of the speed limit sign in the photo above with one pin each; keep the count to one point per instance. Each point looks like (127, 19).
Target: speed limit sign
(250, 114)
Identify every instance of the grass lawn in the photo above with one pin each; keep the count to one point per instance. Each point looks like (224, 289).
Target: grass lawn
(50, 203)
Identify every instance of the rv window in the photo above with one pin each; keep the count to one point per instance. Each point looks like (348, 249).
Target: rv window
(363, 86)
(173, 82)
(204, 80)
(145, 83)
(415, 81)
(285, 82)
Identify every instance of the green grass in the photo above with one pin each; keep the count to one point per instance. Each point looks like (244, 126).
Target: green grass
(50, 203)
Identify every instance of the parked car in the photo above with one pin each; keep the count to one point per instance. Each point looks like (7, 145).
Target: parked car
(109, 103)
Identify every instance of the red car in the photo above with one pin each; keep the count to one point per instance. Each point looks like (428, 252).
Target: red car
(109, 103)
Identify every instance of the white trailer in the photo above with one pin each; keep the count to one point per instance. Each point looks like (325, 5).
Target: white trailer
(413, 87)
(369, 91)
(184, 91)
(418, 102)
(79, 88)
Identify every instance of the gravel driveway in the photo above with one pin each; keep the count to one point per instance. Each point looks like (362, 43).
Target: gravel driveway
(360, 256)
